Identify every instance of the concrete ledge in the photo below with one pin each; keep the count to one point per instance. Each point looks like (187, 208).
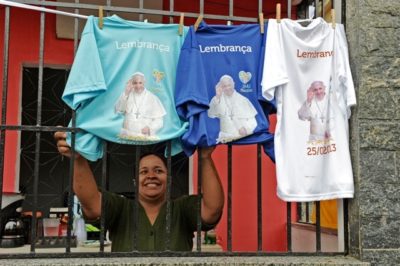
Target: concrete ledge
(192, 261)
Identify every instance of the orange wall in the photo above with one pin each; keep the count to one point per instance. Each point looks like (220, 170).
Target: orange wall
(23, 49)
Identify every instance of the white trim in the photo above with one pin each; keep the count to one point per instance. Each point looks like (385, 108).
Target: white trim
(190, 175)
(17, 176)
(338, 10)
(340, 225)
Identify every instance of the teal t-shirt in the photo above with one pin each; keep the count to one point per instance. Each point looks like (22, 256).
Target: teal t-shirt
(119, 215)
(104, 67)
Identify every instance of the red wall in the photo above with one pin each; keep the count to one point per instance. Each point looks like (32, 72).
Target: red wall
(244, 201)
(24, 49)
(221, 7)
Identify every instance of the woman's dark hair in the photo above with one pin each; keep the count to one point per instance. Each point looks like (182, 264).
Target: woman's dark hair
(159, 155)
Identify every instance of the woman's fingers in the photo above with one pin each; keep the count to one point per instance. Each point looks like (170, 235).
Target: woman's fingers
(62, 145)
(59, 135)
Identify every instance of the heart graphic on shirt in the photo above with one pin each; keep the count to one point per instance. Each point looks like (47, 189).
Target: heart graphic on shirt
(158, 75)
(244, 77)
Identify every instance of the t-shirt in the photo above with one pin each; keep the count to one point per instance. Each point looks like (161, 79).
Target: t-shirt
(218, 87)
(119, 217)
(307, 70)
(122, 84)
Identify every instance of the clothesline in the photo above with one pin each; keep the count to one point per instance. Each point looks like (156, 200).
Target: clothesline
(42, 9)
(54, 11)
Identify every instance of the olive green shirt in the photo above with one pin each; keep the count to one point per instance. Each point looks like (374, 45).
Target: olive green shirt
(119, 217)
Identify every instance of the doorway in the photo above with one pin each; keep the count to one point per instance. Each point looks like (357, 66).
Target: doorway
(54, 169)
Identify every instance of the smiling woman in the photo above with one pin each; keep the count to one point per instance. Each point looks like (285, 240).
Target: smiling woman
(120, 212)
(152, 184)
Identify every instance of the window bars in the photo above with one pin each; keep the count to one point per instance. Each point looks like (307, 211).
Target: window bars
(303, 210)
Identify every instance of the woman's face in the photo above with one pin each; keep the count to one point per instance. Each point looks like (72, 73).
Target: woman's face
(152, 179)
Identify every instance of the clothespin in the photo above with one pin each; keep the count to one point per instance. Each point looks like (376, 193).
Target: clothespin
(229, 23)
(180, 28)
(198, 21)
(261, 21)
(278, 13)
(145, 20)
(333, 18)
(101, 17)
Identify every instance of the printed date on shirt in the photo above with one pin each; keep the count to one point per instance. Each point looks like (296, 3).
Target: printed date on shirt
(321, 150)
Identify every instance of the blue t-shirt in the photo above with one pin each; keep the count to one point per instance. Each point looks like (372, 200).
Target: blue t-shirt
(218, 87)
(122, 85)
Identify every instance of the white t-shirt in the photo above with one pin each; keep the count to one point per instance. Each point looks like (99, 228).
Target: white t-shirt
(306, 69)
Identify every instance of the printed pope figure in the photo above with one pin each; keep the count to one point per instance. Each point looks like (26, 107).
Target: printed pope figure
(235, 112)
(142, 109)
(318, 109)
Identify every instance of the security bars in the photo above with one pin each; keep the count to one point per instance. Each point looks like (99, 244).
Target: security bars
(39, 129)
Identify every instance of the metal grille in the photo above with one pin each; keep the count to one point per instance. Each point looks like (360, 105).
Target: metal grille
(39, 129)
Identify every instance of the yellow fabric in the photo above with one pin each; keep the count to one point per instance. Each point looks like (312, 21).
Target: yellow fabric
(328, 213)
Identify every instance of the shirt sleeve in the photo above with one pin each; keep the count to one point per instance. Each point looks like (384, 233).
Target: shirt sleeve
(86, 79)
(274, 69)
(270, 106)
(87, 145)
(191, 96)
(113, 206)
(188, 206)
(346, 92)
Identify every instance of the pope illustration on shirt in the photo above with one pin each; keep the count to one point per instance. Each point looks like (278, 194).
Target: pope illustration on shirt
(142, 109)
(317, 110)
(235, 112)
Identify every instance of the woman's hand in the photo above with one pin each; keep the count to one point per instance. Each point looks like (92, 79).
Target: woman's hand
(205, 152)
(62, 145)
